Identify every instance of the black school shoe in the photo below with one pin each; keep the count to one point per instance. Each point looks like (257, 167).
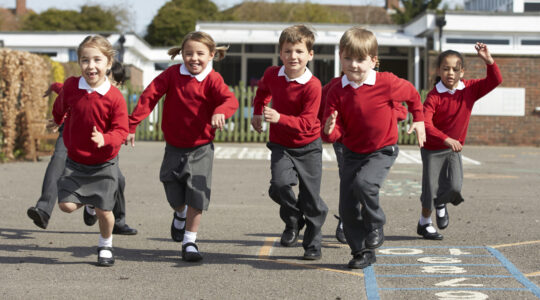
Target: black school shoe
(289, 237)
(442, 222)
(177, 234)
(362, 260)
(375, 238)
(105, 262)
(421, 230)
(191, 256)
(88, 218)
(340, 235)
(312, 254)
(124, 230)
(40, 218)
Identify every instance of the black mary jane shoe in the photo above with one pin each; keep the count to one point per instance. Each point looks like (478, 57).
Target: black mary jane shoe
(103, 261)
(375, 238)
(124, 230)
(362, 260)
(442, 222)
(191, 256)
(421, 230)
(178, 234)
(88, 218)
(40, 218)
(340, 235)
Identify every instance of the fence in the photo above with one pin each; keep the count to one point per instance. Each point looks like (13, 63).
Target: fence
(238, 128)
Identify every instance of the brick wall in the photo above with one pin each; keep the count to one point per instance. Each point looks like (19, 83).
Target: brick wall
(517, 71)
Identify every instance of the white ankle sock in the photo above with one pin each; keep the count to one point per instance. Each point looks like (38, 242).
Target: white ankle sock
(190, 237)
(424, 221)
(90, 210)
(441, 212)
(103, 242)
(180, 224)
(431, 229)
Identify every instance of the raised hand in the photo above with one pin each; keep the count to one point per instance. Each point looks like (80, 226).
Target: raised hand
(483, 52)
(97, 137)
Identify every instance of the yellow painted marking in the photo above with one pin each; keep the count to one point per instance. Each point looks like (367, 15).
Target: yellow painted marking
(507, 155)
(516, 244)
(312, 267)
(267, 247)
(532, 274)
(489, 176)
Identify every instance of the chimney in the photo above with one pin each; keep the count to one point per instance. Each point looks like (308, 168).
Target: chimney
(20, 9)
(392, 4)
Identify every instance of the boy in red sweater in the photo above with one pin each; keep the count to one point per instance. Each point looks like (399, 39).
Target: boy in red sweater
(447, 111)
(360, 112)
(294, 139)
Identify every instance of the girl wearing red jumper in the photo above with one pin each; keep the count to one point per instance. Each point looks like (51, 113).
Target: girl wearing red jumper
(447, 111)
(95, 120)
(197, 102)
(360, 112)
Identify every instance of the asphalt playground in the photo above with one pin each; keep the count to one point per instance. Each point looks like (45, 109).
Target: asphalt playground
(491, 250)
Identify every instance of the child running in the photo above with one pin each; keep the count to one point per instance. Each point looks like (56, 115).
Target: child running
(295, 139)
(41, 213)
(360, 112)
(447, 112)
(95, 120)
(197, 102)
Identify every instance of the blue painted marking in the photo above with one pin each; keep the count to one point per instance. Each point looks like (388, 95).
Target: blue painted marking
(416, 265)
(455, 289)
(444, 275)
(515, 272)
(372, 291)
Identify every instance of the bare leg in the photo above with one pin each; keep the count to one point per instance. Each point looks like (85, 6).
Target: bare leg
(69, 207)
(426, 213)
(193, 219)
(106, 222)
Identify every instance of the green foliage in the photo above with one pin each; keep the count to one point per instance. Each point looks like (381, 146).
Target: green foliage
(90, 18)
(412, 8)
(177, 18)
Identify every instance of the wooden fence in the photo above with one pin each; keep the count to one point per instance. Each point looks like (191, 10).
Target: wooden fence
(238, 128)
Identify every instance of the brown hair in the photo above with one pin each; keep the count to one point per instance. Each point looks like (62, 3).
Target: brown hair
(99, 42)
(204, 38)
(358, 42)
(297, 34)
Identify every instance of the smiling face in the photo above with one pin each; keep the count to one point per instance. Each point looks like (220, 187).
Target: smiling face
(295, 58)
(94, 65)
(196, 56)
(451, 71)
(357, 70)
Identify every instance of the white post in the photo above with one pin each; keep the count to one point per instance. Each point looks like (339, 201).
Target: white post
(417, 68)
(336, 61)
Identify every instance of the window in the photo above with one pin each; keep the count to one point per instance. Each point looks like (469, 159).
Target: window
(473, 41)
(260, 48)
(72, 55)
(229, 68)
(161, 66)
(323, 49)
(530, 42)
(531, 7)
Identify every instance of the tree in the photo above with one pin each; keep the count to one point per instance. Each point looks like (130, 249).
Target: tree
(177, 18)
(90, 18)
(412, 8)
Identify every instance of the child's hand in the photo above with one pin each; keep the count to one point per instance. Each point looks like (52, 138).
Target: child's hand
(97, 137)
(47, 92)
(330, 123)
(453, 144)
(130, 139)
(483, 52)
(270, 115)
(420, 132)
(52, 126)
(256, 122)
(218, 121)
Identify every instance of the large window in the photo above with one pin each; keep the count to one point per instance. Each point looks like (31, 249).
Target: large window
(230, 69)
(256, 68)
(323, 69)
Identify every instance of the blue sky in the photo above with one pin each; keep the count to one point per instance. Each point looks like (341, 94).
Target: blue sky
(144, 10)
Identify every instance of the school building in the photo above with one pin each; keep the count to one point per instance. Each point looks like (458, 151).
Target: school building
(510, 115)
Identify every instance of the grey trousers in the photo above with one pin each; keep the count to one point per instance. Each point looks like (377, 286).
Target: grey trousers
(49, 188)
(303, 166)
(363, 176)
(442, 177)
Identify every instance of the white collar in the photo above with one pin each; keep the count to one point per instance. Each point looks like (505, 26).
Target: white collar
(443, 89)
(102, 89)
(303, 79)
(201, 76)
(370, 80)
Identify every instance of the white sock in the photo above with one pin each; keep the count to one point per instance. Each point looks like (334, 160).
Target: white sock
(180, 224)
(90, 210)
(441, 212)
(341, 225)
(103, 242)
(431, 229)
(190, 237)
(424, 221)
